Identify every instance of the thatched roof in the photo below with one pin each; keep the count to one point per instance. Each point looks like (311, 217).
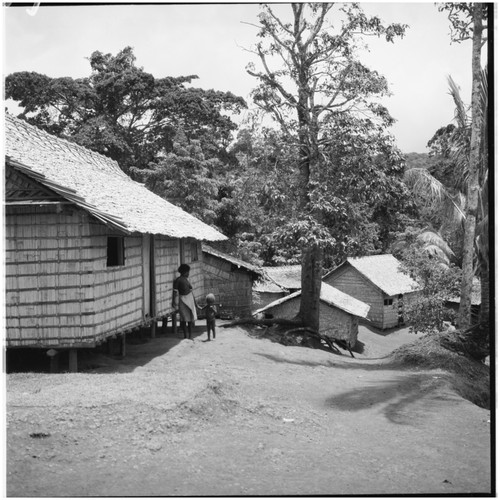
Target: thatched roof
(267, 286)
(97, 184)
(233, 260)
(287, 277)
(383, 271)
(331, 296)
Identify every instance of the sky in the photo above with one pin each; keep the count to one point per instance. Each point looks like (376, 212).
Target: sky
(212, 41)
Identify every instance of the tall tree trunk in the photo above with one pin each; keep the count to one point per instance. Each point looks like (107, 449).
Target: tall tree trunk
(464, 316)
(484, 314)
(312, 267)
(312, 255)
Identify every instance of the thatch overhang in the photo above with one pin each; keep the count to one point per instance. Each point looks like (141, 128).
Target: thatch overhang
(383, 271)
(234, 261)
(97, 184)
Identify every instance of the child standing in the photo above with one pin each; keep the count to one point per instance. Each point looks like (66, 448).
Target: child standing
(210, 312)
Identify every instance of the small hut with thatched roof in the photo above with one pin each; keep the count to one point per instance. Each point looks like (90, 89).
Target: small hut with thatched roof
(339, 313)
(378, 281)
(90, 254)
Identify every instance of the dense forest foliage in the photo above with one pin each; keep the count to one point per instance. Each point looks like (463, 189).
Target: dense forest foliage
(183, 142)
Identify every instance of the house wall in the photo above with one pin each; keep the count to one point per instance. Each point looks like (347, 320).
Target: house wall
(232, 287)
(333, 322)
(338, 324)
(167, 261)
(169, 255)
(59, 290)
(350, 281)
(49, 282)
(390, 318)
(192, 255)
(118, 290)
(262, 299)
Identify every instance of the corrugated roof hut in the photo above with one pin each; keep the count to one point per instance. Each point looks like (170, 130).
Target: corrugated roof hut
(378, 281)
(89, 253)
(230, 280)
(276, 282)
(339, 313)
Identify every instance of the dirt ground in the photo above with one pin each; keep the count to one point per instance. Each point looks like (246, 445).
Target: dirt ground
(243, 415)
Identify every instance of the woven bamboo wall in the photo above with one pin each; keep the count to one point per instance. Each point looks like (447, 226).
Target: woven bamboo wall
(262, 299)
(338, 324)
(167, 261)
(193, 257)
(118, 297)
(49, 280)
(59, 290)
(232, 287)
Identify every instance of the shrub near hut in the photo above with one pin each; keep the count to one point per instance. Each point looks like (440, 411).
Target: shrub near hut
(428, 312)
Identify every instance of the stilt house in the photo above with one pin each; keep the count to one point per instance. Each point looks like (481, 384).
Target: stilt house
(339, 313)
(378, 281)
(89, 253)
(230, 280)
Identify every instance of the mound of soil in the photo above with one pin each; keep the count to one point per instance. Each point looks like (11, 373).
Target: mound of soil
(243, 415)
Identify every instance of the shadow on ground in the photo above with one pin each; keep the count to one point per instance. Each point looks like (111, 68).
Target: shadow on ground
(396, 397)
(140, 349)
(344, 362)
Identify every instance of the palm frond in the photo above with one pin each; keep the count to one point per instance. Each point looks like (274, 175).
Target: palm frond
(433, 240)
(461, 116)
(437, 253)
(429, 190)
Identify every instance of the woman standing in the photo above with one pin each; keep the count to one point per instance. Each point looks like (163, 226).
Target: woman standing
(183, 300)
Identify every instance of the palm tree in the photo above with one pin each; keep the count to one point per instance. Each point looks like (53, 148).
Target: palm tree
(451, 201)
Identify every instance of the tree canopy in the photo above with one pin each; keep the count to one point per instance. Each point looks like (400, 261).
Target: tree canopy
(124, 112)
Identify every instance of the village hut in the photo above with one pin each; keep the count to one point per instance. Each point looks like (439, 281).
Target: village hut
(90, 254)
(378, 281)
(276, 282)
(230, 280)
(339, 313)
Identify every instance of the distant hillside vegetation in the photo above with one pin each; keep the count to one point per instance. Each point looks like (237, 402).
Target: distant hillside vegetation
(418, 160)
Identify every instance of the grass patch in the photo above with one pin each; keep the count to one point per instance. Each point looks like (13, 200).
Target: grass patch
(469, 378)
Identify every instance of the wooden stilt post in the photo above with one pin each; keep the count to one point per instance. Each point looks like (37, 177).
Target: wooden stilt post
(153, 329)
(123, 349)
(54, 365)
(73, 360)
(110, 347)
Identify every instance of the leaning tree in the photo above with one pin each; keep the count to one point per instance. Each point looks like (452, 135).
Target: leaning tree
(308, 70)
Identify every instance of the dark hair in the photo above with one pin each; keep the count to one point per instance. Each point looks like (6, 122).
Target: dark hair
(184, 268)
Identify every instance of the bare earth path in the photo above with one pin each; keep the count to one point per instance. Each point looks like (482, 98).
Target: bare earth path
(243, 416)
